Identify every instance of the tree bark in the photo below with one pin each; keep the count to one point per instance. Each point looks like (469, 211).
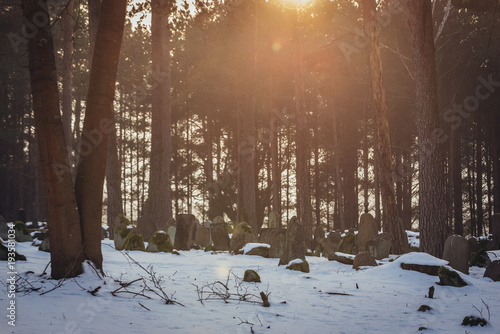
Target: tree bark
(432, 212)
(99, 117)
(392, 222)
(67, 80)
(62, 213)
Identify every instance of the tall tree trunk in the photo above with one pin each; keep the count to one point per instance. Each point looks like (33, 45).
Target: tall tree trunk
(99, 117)
(432, 213)
(113, 182)
(276, 175)
(248, 147)
(67, 80)
(62, 213)
(365, 161)
(392, 222)
(302, 140)
(338, 179)
(158, 209)
(479, 176)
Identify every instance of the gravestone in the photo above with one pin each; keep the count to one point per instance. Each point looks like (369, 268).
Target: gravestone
(220, 237)
(294, 245)
(493, 271)
(331, 244)
(171, 231)
(273, 219)
(379, 246)
(122, 229)
(473, 247)
(242, 235)
(364, 259)
(348, 244)
(134, 240)
(21, 215)
(22, 233)
(367, 230)
(495, 229)
(184, 232)
(319, 237)
(274, 237)
(160, 242)
(202, 238)
(456, 252)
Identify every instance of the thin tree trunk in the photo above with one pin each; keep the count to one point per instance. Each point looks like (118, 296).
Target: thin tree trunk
(457, 184)
(338, 178)
(392, 222)
(67, 80)
(63, 219)
(479, 176)
(97, 126)
(276, 175)
(365, 161)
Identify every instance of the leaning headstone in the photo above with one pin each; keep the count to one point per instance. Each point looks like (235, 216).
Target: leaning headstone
(219, 234)
(160, 242)
(331, 244)
(22, 233)
(122, 229)
(4, 229)
(348, 244)
(493, 271)
(202, 238)
(342, 258)
(294, 246)
(367, 230)
(495, 229)
(184, 232)
(456, 252)
(379, 246)
(242, 235)
(364, 259)
(134, 241)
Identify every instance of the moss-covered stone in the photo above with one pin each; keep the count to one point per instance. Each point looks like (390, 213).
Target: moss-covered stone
(122, 230)
(481, 259)
(242, 235)
(450, 277)
(134, 241)
(160, 242)
(424, 308)
(299, 266)
(251, 276)
(474, 321)
(259, 251)
(209, 248)
(348, 244)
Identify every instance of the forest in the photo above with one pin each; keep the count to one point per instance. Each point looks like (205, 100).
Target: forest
(255, 111)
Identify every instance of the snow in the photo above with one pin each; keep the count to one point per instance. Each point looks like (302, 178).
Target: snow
(332, 298)
(421, 258)
(296, 261)
(413, 238)
(248, 247)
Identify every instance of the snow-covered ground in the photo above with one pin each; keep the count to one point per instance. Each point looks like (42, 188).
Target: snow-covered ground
(332, 298)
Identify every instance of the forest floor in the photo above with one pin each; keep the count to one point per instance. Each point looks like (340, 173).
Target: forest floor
(332, 298)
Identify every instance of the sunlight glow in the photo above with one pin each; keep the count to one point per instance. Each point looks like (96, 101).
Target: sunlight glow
(298, 3)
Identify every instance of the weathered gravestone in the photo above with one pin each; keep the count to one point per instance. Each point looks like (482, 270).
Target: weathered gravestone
(220, 237)
(331, 244)
(294, 246)
(273, 219)
(473, 247)
(122, 229)
(493, 271)
(242, 235)
(456, 252)
(171, 231)
(134, 240)
(348, 244)
(22, 233)
(319, 237)
(364, 259)
(185, 232)
(160, 242)
(379, 246)
(367, 230)
(274, 237)
(202, 238)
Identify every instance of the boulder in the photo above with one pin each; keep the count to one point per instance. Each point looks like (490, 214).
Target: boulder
(348, 244)
(122, 229)
(4, 254)
(185, 232)
(450, 277)
(298, 265)
(202, 238)
(367, 230)
(22, 233)
(331, 244)
(364, 259)
(251, 276)
(242, 235)
(160, 242)
(342, 258)
(219, 234)
(481, 259)
(294, 246)
(134, 241)
(493, 271)
(379, 246)
(456, 252)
